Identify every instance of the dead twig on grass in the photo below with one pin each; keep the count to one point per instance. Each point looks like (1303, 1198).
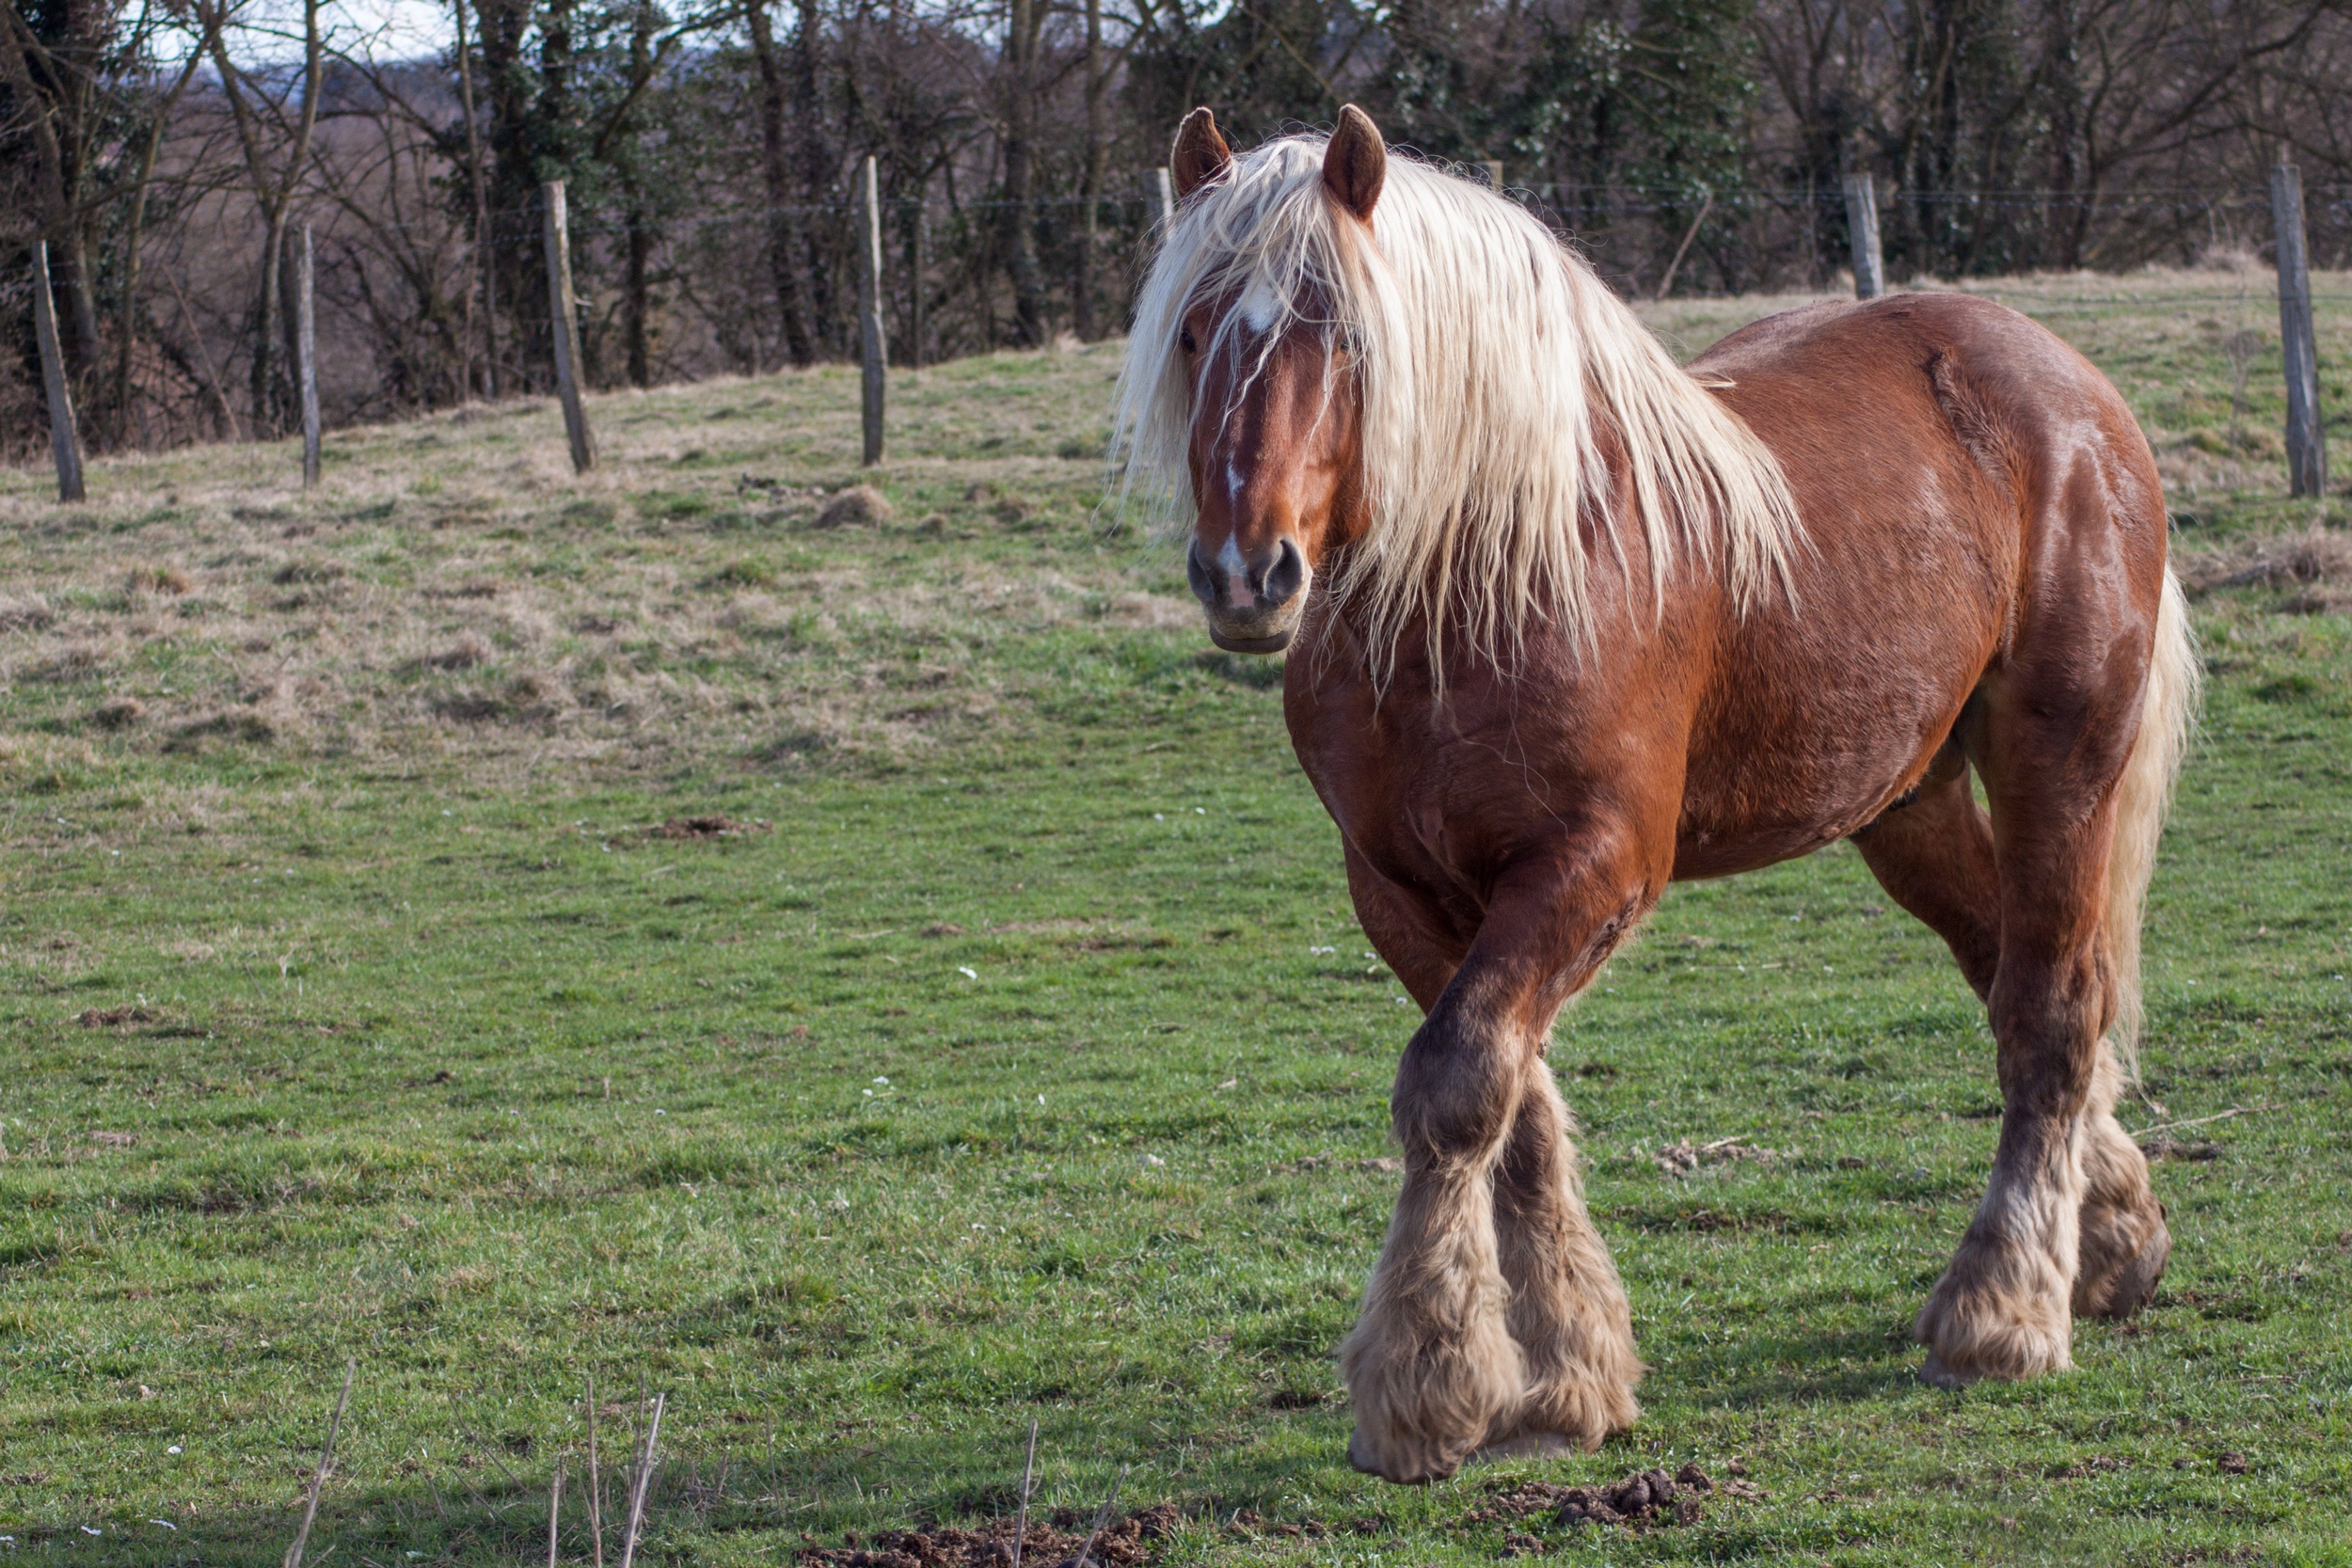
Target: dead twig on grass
(2200, 1122)
(640, 1482)
(318, 1476)
(1084, 1559)
(596, 1481)
(1028, 1471)
(555, 1511)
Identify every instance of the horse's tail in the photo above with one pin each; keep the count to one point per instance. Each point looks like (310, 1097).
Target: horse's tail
(2143, 796)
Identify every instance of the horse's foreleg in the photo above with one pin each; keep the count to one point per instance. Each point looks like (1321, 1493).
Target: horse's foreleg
(1432, 1365)
(1568, 1312)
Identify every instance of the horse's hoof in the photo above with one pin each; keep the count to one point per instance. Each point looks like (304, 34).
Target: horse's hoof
(1401, 1471)
(2128, 1286)
(1936, 1374)
(1531, 1444)
(2136, 1282)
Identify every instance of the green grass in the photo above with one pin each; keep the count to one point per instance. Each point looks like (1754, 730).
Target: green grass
(976, 1079)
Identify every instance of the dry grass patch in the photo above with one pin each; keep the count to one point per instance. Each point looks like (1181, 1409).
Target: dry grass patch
(453, 591)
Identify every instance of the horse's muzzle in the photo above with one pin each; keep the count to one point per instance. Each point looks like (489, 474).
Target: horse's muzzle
(1252, 606)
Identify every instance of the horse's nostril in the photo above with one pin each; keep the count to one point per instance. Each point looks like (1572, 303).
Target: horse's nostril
(1196, 574)
(1286, 576)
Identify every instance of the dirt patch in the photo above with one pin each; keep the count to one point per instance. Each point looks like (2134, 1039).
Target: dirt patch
(1648, 1499)
(707, 827)
(1682, 1157)
(858, 505)
(1384, 1162)
(119, 713)
(110, 1018)
(1054, 1542)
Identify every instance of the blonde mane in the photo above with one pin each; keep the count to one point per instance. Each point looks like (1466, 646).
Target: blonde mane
(1493, 368)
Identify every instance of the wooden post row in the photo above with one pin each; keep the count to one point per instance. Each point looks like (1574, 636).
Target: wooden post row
(565, 311)
(62, 441)
(873, 348)
(1166, 190)
(306, 360)
(2307, 449)
(1862, 224)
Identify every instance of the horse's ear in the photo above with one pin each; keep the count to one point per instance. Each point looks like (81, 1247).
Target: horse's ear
(1200, 154)
(1356, 164)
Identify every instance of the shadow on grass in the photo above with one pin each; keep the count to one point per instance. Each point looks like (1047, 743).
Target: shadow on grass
(772, 1502)
(1832, 1367)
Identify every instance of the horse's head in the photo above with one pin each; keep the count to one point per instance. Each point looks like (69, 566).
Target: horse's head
(1273, 447)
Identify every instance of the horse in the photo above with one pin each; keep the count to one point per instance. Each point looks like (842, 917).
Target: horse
(1567, 623)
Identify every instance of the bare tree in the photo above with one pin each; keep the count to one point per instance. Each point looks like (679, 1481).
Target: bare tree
(258, 113)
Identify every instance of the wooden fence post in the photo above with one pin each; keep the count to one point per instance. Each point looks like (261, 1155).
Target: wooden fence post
(1494, 174)
(2307, 450)
(1166, 190)
(873, 348)
(306, 360)
(62, 441)
(565, 310)
(1861, 223)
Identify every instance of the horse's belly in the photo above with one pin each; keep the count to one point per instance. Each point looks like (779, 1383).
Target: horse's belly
(1821, 748)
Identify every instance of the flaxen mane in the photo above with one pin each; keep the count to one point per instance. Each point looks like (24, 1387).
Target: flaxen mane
(1491, 365)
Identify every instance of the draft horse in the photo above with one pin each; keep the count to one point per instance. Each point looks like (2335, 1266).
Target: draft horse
(1567, 622)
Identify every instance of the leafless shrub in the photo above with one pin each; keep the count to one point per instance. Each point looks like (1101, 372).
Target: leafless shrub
(2318, 556)
(2323, 600)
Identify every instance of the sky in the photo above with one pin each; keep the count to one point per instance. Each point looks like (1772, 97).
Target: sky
(381, 29)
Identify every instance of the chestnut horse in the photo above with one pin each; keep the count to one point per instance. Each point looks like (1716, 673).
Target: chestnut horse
(1567, 622)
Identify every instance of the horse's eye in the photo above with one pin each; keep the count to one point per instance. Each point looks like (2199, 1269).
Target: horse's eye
(1184, 340)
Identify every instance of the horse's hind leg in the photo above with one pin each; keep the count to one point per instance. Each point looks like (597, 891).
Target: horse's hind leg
(2058, 729)
(1934, 857)
(2124, 1244)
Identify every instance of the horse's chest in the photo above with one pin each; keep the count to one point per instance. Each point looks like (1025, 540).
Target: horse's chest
(1412, 810)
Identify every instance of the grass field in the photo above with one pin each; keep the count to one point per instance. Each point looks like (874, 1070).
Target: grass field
(1008, 1052)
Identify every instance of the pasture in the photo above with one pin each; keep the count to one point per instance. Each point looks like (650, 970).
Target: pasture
(880, 980)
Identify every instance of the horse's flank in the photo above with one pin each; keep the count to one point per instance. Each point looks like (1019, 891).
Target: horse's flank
(1495, 374)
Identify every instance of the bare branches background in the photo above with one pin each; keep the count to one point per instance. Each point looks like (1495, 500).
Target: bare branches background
(172, 150)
